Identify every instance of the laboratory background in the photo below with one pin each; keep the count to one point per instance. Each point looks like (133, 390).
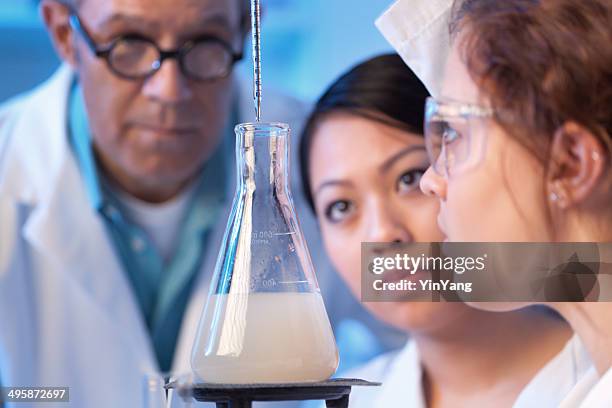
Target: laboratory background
(296, 33)
(322, 53)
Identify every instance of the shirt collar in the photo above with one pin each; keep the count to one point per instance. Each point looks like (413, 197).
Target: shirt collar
(80, 140)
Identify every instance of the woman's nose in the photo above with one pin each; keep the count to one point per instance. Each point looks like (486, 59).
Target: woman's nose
(385, 226)
(433, 185)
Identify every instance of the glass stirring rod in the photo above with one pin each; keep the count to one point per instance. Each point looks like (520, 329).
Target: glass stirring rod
(256, 33)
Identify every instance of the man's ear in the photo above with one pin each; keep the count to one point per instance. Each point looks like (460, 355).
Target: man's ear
(577, 165)
(56, 18)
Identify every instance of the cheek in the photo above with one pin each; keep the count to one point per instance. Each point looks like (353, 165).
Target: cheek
(110, 98)
(500, 200)
(344, 250)
(469, 213)
(420, 215)
(211, 110)
(212, 102)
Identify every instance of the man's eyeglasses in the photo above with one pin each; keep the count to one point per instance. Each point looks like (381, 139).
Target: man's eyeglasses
(134, 57)
(450, 137)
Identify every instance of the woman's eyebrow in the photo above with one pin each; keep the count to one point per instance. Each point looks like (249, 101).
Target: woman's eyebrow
(333, 183)
(387, 164)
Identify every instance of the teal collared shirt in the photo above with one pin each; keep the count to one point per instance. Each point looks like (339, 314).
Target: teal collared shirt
(162, 289)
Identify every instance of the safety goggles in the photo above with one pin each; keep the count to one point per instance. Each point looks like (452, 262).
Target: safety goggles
(454, 135)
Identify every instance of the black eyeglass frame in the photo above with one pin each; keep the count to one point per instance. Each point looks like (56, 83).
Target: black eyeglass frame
(178, 54)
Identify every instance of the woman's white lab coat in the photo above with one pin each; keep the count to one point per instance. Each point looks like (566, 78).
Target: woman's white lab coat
(592, 391)
(67, 313)
(401, 374)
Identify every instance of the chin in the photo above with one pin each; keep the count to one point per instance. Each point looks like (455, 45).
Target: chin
(167, 168)
(161, 176)
(408, 316)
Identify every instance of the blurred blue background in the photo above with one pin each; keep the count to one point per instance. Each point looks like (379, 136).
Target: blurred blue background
(306, 43)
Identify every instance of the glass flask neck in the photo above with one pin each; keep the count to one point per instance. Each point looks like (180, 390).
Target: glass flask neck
(263, 157)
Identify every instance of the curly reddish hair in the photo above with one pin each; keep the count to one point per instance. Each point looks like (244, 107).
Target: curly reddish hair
(541, 63)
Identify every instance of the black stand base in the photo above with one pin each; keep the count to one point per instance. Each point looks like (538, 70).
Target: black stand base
(335, 392)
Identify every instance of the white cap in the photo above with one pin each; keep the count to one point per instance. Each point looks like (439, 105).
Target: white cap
(418, 30)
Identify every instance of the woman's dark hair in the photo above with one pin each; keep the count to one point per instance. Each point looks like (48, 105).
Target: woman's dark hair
(382, 89)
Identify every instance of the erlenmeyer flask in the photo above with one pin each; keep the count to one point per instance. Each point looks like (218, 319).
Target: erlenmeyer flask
(264, 321)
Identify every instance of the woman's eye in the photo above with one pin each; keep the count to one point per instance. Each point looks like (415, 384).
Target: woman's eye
(450, 135)
(409, 181)
(338, 210)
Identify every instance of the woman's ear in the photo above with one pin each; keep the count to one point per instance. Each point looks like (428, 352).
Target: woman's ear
(577, 165)
(56, 17)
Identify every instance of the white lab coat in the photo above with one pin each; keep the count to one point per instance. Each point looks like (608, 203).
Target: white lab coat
(67, 313)
(401, 374)
(591, 392)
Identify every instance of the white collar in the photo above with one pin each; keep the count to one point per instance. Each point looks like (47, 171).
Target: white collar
(404, 383)
(601, 394)
(557, 378)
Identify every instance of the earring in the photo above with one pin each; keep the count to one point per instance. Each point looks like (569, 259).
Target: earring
(558, 195)
(553, 197)
(595, 156)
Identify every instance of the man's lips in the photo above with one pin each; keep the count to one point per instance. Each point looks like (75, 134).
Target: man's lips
(169, 130)
(164, 139)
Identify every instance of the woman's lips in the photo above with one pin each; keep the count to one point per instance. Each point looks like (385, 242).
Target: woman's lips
(397, 275)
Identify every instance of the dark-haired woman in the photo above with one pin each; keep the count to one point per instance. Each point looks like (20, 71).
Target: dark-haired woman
(362, 156)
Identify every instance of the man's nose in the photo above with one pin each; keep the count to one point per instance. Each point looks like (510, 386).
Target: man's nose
(386, 226)
(168, 84)
(432, 184)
